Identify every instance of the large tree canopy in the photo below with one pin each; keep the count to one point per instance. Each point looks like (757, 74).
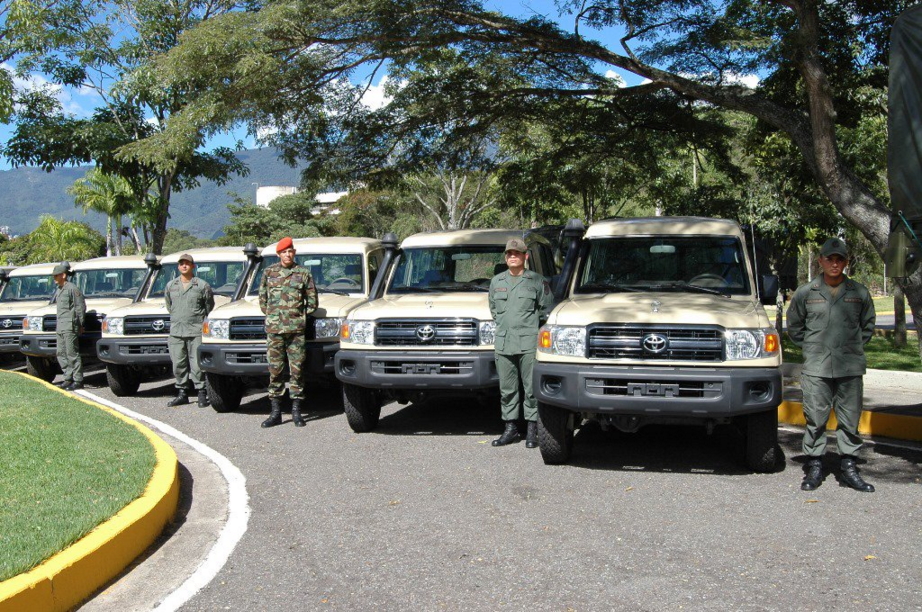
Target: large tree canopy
(286, 70)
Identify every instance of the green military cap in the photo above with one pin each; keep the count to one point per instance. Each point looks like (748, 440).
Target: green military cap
(516, 244)
(61, 268)
(186, 257)
(834, 246)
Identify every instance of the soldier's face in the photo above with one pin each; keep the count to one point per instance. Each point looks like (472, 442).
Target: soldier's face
(287, 257)
(59, 278)
(833, 267)
(516, 260)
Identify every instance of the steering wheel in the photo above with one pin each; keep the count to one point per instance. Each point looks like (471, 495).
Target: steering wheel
(708, 280)
(344, 280)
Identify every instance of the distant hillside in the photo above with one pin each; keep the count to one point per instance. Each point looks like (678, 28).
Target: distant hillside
(27, 193)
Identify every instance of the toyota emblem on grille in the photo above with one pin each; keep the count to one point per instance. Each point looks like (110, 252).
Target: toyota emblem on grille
(654, 343)
(7, 323)
(425, 333)
(157, 325)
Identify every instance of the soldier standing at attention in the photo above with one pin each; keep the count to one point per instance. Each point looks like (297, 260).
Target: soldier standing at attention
(832, 318)
(286, 296)
(71, 308)
(520, 301)
(189, 299)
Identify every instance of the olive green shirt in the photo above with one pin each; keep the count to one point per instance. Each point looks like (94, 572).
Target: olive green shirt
(832, 330)
(519, 305)
(71, 307)
(188, 306)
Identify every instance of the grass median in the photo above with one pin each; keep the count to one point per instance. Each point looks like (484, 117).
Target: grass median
(65, 467)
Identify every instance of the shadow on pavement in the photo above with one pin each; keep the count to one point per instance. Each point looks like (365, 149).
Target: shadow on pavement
(443, 417)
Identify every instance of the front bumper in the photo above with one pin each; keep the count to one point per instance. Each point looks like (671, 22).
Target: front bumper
(137, 351)
(658, 392)
(46, 345)
(417, 370)
(252, 360)
(9, 343)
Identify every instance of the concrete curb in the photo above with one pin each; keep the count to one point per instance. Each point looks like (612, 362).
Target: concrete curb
(871, 423)
(72, 575)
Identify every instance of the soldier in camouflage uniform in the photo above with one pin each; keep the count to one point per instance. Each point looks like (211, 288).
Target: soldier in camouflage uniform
(832, 318)
(189, 299)
(286, 296)
(71, 308)
(520, 301)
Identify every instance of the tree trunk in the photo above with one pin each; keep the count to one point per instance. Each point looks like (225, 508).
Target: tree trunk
(899, 318)
(109, 239)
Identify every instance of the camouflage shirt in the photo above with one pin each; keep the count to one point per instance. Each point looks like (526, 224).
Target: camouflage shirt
(286, 297)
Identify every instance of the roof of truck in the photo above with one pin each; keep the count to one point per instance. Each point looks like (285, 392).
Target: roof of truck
(327, 244)
(39, 269)
(229, 253)
(121, 262)
(685, 226)
(491, 237)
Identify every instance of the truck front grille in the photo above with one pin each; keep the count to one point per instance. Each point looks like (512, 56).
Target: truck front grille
(50, 323)
(656, 342)
(432, 367)
(626, 387)
(426, 332)
(250, 328)
(138, 326)
(11, 324)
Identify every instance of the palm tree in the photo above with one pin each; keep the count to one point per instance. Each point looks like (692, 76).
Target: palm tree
(56, 240)
(108, 194)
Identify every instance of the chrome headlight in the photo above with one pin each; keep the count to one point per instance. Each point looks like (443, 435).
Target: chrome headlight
(114, 325)
(358, 332)
(327, 328)
(562, 340)
(216, 329)
(751, 343)
(33, 324)
(487, 332)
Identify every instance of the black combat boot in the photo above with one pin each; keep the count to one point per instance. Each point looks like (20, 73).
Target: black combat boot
(74, 386)
(202, 398)
(510, 435)
(275, 417)
(813, 474)
(531, 437)
(182, 397)
(851, 477)
(296, 413)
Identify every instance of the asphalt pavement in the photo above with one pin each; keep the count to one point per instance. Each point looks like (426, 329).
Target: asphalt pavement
(424, 514)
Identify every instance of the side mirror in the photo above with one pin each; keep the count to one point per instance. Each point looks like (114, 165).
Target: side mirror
(768, 289)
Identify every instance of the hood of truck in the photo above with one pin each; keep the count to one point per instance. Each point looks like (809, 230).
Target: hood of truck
(330, 305)
(427, 305)
(154, 307)
(21, 308)
(660, 309)
(99, 306)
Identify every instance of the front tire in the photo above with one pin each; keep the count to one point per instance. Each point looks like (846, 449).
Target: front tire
(123, 380)
(555, 434)
(761, 430)
(41, 368)
(362, 407)
(225, 392)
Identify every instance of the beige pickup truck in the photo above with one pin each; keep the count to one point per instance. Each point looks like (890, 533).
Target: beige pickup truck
(431, 332)
(23, 290)
(662, 322)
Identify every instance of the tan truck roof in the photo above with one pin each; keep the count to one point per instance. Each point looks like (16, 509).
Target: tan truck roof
(639, 226)
(327, 244)
(461, 237)
(120, 262)
(229, 253)
(33, 270)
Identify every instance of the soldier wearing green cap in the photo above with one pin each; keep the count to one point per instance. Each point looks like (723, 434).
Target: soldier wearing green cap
(71, 308)
(520, 301)
(189, 299)
(831, 318)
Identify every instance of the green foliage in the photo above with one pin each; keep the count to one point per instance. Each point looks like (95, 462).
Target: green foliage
(180, 240)
(288, 215)
(67, 466)
(55, 240)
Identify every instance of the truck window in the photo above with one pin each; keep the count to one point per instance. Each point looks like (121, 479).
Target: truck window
(664, 264)
(23, 288)
(331, 271)
(449, 268)
(109, 283)
(221, 275)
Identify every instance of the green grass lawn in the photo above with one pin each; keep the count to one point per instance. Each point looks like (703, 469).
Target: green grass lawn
(65, 467)
(881, 353)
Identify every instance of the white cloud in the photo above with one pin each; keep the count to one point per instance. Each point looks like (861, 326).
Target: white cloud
(375, 98)
(79, 102)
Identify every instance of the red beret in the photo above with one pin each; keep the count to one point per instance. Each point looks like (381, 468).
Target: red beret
(284, 243)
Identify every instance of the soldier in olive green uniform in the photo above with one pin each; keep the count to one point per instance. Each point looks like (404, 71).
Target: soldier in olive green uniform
(520, 301)
(189, 299)
(832, 318)
(71, 308)
(286, 296)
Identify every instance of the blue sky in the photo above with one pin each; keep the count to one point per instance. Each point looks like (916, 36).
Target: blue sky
(81, 103)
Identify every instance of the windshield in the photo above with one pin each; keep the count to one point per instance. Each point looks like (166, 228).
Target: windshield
(331, 271)
(221, 275)
(715, 264)
(109, 283)
(450, 268)
(23, 288)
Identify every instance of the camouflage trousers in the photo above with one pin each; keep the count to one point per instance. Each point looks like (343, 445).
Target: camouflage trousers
(286, 358)
(68, 353)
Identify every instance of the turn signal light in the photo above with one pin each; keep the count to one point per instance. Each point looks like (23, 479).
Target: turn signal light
(344, 331)
(772, 343)
(544, 339)
(206, 328)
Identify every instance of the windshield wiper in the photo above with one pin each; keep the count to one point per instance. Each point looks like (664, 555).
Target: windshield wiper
(684, 287)
(334, 291)
(605, 287)
(468, 287)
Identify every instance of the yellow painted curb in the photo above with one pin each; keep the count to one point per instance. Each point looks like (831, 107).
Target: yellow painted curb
(72, 575)
(871, 423)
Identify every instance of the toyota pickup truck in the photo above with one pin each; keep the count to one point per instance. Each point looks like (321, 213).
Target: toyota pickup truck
(23, 290)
